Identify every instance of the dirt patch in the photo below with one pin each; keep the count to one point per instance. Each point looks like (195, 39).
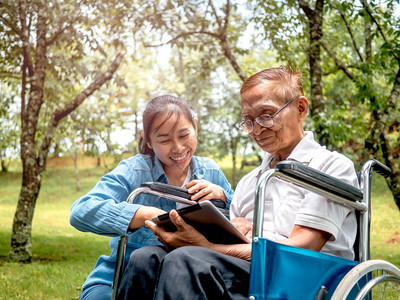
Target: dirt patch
(394, 239)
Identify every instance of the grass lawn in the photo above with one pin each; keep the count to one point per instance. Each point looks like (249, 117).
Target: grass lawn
(63, 256)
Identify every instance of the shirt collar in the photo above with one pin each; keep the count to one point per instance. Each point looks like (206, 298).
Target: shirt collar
(159, 175)
(304, 150)
(157, 172)
(198, 172)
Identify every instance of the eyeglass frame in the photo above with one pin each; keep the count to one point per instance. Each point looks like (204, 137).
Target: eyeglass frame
(272, 117)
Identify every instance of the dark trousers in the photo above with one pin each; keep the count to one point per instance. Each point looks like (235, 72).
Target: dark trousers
(185, 273)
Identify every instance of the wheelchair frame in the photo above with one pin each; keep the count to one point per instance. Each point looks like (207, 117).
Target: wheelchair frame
(344, 194)
(121, 253)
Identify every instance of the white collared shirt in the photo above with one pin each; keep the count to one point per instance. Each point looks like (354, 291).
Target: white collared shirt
(287, 205)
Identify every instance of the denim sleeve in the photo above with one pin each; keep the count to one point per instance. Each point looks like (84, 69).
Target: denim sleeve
(218, 177)
(226, 186)
(103, 210)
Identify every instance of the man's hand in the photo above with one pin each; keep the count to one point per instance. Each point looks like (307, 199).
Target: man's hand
(186, 235)
(244, 226)
(205, 188)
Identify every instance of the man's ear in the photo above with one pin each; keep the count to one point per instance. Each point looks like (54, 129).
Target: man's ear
(147, 143)
(303, 107)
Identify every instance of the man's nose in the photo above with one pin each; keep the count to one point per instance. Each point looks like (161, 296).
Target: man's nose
(257, 128)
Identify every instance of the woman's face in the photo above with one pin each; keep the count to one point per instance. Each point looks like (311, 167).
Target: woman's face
(174, 143)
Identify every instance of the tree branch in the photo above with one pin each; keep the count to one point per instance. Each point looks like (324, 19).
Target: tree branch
(184, 34)
(227, 14)
(25, 36)
(58, 114)
(11, 26)
(215, 14)
(338, 63)
(366, 6)
(350, 33)
(95, 85)
(307, 10)
(61, 30)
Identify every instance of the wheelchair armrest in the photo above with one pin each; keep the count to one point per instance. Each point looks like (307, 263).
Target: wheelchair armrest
(319, 179)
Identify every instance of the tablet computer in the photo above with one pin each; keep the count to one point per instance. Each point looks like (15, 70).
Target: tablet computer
(208, 220)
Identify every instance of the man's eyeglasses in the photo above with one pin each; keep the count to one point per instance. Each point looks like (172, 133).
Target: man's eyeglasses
(265, 120)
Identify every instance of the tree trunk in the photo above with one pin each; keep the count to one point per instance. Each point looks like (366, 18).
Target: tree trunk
(74, 155)
(4, 165)
(21, 239)
(234, 170)
(315, 18)
(33, 163)
(78, 182)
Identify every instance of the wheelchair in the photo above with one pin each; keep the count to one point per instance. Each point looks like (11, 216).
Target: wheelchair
(284, 272)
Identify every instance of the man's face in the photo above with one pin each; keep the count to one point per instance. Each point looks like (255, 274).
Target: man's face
(287, 130)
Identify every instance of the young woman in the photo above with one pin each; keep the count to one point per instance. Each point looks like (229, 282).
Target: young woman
(167, 148)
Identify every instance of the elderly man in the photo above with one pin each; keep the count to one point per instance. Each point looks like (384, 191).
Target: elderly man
(273, 109)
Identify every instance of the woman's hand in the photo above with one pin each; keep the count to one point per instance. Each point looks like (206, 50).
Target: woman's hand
(186, 235)
(142, 214)
(244, 226)
(205, 189)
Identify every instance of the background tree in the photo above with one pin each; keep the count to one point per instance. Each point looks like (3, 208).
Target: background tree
(358, 47)
(48, 45)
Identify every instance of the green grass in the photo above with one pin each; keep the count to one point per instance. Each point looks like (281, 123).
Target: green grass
(63, 256)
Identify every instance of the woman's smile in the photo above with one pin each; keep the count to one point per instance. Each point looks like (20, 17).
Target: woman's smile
(180, 159)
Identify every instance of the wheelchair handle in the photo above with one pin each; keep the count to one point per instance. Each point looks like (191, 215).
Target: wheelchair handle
(378, 167)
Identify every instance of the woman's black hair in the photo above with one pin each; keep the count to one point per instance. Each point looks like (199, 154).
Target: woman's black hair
(166, 104)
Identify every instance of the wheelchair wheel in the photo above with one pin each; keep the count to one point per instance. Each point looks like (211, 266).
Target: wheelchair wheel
(372, 279)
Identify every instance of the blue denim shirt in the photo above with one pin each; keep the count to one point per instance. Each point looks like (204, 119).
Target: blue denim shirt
(104, 209)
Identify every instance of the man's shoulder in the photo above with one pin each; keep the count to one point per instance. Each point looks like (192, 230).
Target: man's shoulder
(250, 177)
(335, 164)
(324, 156)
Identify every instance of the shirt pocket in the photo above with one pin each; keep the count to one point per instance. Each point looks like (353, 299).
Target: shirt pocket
(286, 209)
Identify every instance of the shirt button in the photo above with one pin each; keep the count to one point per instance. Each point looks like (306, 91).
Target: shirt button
(273, 180)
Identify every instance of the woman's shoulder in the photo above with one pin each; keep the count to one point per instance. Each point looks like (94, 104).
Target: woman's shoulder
(139, 161)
